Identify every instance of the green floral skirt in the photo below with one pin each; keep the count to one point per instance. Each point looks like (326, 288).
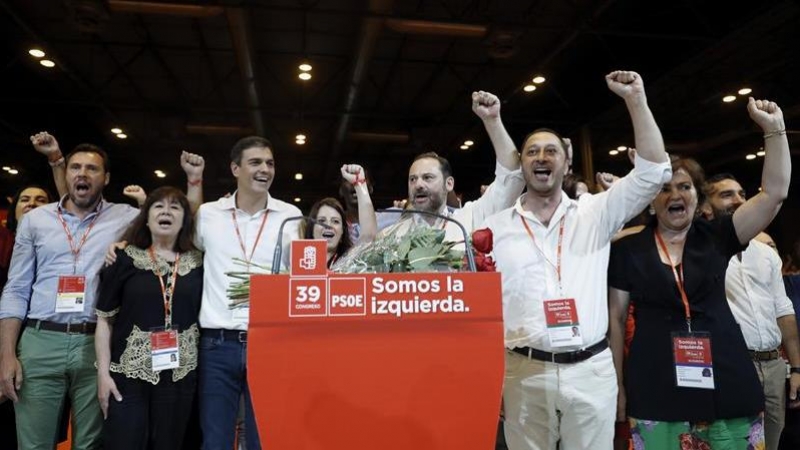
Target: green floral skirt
(745, 433)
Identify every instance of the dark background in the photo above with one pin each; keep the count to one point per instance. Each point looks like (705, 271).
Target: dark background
(386, 86)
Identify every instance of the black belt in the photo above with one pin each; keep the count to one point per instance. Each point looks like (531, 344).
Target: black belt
(768, 355)
(227, 335)
(565, 357)
(70, 328)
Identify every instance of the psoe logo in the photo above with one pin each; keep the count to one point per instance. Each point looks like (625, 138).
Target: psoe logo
(308, 297)
(309, 259)
(348, 296)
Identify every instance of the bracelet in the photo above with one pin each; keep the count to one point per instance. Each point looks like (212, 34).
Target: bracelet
(59, 162)
(54, 157)
(781, 132)
(196, 182)
(794, 370)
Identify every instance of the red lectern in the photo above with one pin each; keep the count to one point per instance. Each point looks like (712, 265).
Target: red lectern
(374, 361)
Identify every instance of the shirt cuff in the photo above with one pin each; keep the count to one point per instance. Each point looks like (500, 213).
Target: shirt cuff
(654, 172)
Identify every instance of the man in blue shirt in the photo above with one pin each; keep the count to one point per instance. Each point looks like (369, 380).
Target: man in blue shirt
(52, 283)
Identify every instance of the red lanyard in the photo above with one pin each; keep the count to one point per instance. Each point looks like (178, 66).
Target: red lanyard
(76, 250)
(678, 280)
(165, 294)
(241, 242)
(557, 265)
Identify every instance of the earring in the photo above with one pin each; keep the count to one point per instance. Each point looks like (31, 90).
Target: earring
(652, 210)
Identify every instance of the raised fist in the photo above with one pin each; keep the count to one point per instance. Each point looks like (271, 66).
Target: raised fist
(45, 143)
(628, 85)
(766, 114)
(193, 165)
(135, 192)
(485, 105)
(605, 180)
(353, 173)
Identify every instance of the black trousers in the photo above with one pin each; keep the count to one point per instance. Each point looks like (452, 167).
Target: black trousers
(149, 417)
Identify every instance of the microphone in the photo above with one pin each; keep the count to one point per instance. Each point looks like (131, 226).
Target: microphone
(467, 248)
(276, 256)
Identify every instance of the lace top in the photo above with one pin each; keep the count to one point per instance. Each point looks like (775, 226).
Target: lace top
(130, 293)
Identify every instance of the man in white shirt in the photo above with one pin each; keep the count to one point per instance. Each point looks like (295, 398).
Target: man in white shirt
(430, 179)
(756, 295)
(244, 226)
(553, 252)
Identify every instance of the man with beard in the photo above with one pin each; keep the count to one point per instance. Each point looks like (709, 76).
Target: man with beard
(756, 295)
(243, 226)
(52, 282)
(430, 180)
(553, 253)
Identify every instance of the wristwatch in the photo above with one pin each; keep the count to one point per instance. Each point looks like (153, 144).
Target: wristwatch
(794, 370)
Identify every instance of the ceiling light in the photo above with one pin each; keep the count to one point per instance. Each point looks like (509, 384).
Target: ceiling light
(300, 137)
(300, 142)
(13, 171)
(36, 53)
(47, 63)
(613, 152)
(297, 199)
(529, 88)
(622, 148)
(539, 79)
(760, 153)
(305, 67)
(122, 135)
(728, 98)
(6, 168)
(298, 176)
(750, 156)
(305, 76)
(464, 147)
(116, 130)
(745, 91)
(160, 174)
(469, 143)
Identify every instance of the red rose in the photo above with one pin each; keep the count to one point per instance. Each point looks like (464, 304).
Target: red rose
(482, 240)
(484, 263)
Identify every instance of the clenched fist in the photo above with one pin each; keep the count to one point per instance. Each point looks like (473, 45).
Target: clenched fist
(766, 114)
(45, 143)
(193, 165)
(626, 84)
(353, 173)
(485, 105)
(135, 192)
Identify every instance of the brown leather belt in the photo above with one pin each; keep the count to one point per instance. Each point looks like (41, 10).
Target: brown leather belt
(69, 328)
(768, 355)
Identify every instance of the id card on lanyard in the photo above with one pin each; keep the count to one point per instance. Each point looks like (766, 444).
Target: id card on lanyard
(164, 351)
(71, 290)
(691, 350)
(164, 348)
(561, 314)
(242, 313)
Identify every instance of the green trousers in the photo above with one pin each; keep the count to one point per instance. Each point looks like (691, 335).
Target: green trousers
(55, 365)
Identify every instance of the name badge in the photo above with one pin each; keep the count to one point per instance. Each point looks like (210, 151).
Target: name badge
(693, 365)
(164, 349)
(563, 327)
(71, 293)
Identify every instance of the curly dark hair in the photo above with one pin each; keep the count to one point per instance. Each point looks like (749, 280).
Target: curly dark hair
(139, 235)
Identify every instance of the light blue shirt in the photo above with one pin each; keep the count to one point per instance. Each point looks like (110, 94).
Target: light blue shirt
(42, 253)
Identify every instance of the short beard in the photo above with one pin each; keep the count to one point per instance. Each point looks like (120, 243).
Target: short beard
(89, 203)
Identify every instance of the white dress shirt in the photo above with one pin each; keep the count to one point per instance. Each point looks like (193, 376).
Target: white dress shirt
(754, 287)
(501, 194)
(216, 236)
(529, 278)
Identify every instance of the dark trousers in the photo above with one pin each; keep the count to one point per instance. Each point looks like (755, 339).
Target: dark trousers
(149, 417)
(790, 439)
(223, 382)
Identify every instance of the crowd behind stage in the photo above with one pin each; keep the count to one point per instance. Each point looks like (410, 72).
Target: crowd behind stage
(677, 325)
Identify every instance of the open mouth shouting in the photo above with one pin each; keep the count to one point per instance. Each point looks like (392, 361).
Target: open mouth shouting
(328, 234)
(165, 222)
(82, 187)
(677, 210)
(421, 197)
(542, 174)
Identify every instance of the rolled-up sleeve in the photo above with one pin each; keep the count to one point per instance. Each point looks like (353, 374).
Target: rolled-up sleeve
(783, 305)
(17, 292)
(501, 194)
(630, 195)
